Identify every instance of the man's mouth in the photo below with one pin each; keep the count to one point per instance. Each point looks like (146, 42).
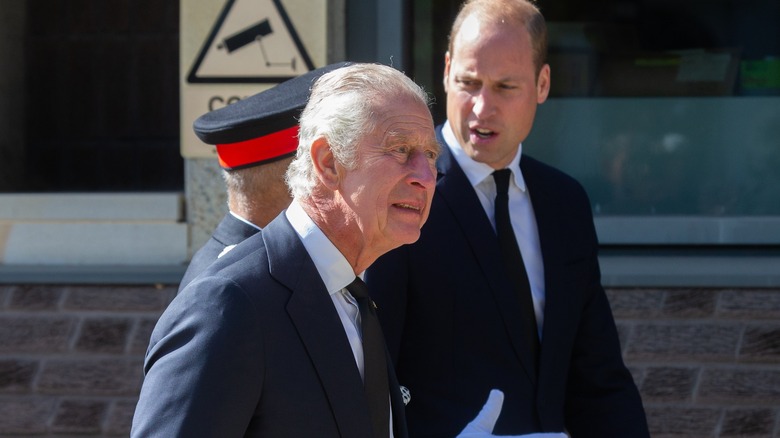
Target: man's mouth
(408, 206)
(483, 133)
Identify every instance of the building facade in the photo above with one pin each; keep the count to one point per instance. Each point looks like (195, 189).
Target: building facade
(666, 111)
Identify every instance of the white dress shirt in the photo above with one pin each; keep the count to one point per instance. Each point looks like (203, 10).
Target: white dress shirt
(337, 274)
(521, 212)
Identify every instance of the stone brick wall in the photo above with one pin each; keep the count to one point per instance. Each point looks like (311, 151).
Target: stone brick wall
(706, 361)
(71, 357)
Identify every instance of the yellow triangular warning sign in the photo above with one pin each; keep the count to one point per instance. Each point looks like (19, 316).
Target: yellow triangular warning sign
(252, 41)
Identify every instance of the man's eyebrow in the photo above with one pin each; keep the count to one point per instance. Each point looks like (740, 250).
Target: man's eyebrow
(436, 146)
(403, 136)
(411, 137)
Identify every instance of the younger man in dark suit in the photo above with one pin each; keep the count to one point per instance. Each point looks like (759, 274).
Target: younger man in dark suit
(502, 290)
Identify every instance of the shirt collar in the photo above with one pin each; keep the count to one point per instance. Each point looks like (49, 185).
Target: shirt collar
(475, 171)
(333, 267)
(235, 215)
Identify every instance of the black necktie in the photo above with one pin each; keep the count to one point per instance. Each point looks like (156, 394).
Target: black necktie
(375, 378)
(513, 261)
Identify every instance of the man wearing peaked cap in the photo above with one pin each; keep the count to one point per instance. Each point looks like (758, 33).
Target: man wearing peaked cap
(256, 139)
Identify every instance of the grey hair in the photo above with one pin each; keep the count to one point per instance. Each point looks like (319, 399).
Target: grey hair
(343, 108)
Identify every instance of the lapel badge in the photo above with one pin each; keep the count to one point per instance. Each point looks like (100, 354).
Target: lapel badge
(406, 395)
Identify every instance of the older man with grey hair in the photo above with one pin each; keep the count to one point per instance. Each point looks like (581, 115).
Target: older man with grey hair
(268, 341)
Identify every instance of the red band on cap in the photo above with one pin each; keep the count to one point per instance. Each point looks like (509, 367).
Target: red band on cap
(257, 150)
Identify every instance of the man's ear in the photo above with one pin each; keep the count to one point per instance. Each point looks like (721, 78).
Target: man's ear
(446, 69)
(543, 84)
(325, 164)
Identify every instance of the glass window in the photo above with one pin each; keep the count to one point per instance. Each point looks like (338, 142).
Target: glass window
(661, 108)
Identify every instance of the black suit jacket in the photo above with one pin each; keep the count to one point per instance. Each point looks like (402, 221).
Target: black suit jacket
(230, 231)
(453, 326)
(253, 347)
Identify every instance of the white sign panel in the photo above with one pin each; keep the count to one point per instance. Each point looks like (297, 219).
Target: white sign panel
(243, 48)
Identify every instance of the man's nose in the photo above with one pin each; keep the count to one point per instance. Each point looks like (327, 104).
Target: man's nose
(483, 102)
(423, 171)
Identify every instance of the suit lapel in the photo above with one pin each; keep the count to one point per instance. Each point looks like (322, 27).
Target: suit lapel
(311, 311)
(456, 191)
(558, 303)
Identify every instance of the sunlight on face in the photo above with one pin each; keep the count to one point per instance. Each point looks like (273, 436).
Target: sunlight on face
(492, 90)
(391, 188)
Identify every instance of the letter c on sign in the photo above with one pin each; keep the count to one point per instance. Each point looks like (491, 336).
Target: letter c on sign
(217, 102)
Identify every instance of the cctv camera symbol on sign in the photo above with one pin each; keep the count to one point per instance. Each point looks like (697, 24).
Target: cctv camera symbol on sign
(251, 34)
(252, 41)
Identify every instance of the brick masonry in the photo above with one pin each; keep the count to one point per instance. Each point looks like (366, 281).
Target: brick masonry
(71, 357)
(707, 362)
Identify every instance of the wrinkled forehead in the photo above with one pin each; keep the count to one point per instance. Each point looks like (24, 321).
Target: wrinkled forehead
(404, 118)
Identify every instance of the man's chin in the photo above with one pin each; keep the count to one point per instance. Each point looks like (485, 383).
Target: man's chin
(406, 238)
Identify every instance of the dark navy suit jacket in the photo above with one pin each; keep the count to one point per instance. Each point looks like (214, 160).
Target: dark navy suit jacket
(254, 347)
(453, 326)
(230, 231)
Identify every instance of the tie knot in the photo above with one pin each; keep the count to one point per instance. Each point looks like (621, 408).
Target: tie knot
(358, 289)
(502, 180)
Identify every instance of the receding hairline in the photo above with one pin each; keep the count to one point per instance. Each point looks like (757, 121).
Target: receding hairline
(521, 13)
